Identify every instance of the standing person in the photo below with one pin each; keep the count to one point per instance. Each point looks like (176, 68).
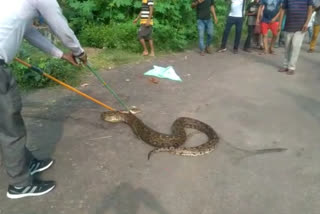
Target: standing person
(204, 22)
(146, 23)
(269, 12)
(298, 14)
(252, 12)
(310, 26)
(16, 24)
(235, 18)
(316, 28)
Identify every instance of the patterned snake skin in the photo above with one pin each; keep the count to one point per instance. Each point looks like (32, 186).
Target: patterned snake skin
(164, 142)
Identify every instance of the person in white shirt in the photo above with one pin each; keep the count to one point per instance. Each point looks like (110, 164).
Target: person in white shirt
(235, 17)
(16, 17)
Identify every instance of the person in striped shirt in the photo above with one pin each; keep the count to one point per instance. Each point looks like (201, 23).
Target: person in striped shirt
(145, 30)
(298, 14)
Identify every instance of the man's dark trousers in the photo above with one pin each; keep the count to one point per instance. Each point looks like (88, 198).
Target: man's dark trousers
(12, 130)
(237, 21)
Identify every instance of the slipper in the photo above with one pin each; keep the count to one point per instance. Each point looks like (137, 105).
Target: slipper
(282, 70)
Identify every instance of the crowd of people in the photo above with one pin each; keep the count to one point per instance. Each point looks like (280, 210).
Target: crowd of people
(288, 21)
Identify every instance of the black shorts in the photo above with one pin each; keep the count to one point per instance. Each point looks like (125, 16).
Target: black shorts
(145, 32)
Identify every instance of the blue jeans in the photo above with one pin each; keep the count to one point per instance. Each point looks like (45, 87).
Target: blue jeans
(205, 26)
(237, 21)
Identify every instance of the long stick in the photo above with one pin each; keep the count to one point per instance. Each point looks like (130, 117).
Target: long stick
(38, 70)
(108, 87)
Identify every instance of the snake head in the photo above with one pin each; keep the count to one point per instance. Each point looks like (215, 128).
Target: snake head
(113, 116)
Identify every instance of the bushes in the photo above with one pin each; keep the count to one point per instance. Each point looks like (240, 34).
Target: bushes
(121, 36)
(124, 36)
(109, 23)
(58, 68)
(101, 23)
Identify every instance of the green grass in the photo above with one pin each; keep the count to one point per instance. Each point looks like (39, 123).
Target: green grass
(106, 58)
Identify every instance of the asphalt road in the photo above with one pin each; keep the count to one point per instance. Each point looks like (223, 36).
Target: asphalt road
(102, 168)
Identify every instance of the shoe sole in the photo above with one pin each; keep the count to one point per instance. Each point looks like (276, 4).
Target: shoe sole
(42, 169)
(13, 196)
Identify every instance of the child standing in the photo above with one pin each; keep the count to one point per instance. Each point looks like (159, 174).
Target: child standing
(145, 30)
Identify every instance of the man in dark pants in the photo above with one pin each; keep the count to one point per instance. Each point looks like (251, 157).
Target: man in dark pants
(235, 18)
(16, 24)
(252, 12)
(204, 22)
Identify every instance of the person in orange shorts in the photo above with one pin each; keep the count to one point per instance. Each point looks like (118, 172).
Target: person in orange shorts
(268, 14)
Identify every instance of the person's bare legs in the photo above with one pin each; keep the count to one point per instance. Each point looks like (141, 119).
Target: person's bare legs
(151, 47)
(145, 50)
(273, 40)
(265, 44)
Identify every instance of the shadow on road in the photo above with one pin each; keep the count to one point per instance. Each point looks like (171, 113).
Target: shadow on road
(45, 123)
(308, 104)
(125, 199)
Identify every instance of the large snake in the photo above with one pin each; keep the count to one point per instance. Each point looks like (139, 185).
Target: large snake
(164, 142)
(173, 143)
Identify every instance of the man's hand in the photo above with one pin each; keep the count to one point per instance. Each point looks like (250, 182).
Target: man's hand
(305, 28)
(215, 21)
(70, 58)
(200, 1)
(83, 58)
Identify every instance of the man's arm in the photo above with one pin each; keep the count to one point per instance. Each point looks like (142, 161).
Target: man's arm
(138, 17)
(34, 37)
(276, 16)
(51, 12)
(282, 13)
(248, 9)
(196, 2)
(150, 15)
(150, 4)
(251, 14)
(213, 11)
(261, 7)
(310, 11)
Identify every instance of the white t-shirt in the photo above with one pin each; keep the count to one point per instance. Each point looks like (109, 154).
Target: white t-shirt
(16, 23)
(236, 8)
